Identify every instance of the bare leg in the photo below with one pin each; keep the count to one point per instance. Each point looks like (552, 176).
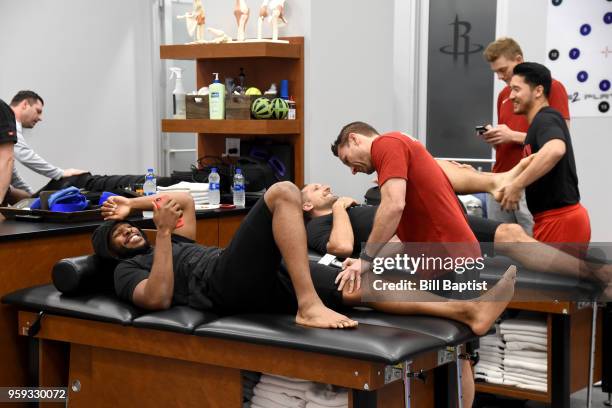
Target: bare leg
(479, 314)
(512, 241)
(467, 384)
(466, 180)
(285, 203)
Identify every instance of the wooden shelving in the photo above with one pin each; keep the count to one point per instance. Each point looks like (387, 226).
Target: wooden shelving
(230, 50)
(231, 127)
(512, 392)
(264, 63)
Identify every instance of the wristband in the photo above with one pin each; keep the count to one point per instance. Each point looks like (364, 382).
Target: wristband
(363, 255)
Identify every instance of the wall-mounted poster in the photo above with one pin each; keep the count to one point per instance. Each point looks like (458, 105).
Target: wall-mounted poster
(579, 47)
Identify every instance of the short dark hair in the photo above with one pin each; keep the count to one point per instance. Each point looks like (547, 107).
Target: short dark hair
(31, 97)
(535, 74)
(353, 127)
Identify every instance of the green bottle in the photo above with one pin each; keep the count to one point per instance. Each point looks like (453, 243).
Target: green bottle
(216, 98)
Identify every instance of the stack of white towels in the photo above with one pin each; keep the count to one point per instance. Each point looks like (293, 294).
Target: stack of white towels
(516, 354)
(491, 353)
(199, 191)
(526, 359)
(282, 392)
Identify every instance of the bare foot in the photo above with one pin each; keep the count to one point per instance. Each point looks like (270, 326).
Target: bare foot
(322, 317)
(489, 306)
(507, 177)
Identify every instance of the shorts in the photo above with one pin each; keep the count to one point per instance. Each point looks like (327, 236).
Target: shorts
(248, 276)
(569, 224)
(484, 230)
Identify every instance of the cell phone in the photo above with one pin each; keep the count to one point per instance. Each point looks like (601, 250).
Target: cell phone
(481, 129)
(161, 200)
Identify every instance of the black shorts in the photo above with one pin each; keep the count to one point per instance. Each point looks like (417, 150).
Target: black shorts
(248, 276)
(484, 229)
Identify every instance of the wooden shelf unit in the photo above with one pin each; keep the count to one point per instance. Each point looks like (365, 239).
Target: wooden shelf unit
(263, 63)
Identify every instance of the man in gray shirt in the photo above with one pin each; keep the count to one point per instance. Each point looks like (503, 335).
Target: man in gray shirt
(28, 108)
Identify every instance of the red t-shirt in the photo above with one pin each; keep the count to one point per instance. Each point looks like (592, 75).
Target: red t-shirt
(507, 155)
(432, 212)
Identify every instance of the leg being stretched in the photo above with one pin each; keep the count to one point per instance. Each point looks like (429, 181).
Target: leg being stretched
(284, 201)
(479, 314)
(466, 180)
(512, 241)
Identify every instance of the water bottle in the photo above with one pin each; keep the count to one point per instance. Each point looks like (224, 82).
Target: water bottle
(214, 191)
(150, 184)
(239, 194)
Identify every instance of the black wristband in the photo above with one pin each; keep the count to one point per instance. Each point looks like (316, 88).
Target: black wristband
(363, 255)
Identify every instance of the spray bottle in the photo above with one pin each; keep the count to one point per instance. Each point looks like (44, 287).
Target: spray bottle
(178, 95)
(216, 98)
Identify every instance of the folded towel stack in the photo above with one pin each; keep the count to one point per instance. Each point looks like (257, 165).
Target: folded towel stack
(249, 381)
(282, 392)
(199, 191)
(526, 359)
(491, 355)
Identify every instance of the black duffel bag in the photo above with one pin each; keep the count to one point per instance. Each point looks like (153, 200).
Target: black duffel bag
(257, 173)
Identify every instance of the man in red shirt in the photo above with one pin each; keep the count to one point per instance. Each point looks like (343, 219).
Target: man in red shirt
(418, 203)
(509, 135)
(417, 200)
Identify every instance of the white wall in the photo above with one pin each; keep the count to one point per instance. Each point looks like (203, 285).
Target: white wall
(349, 77)
(590, 136)
(91, 63)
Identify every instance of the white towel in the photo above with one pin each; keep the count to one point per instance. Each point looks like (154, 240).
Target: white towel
(285, 383)
(509, 362)
(527, 379)
(326, 396)
(489, 373)
(531, 324)
(535, 387)
(524, 345)
(524, 333)
(492, 380)
(491, 359)
(522, 371)
(266, 403)
(280, 398)
(493, 341)
(527, 353)
(185, 185)
(525, 386)
(528, 339)
(256, 406)
(200, 194)
(491, 367)
(491, 350)
(311, 404)
(527, 359)
(282, 390)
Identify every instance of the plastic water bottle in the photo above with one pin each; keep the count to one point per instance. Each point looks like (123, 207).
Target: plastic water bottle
(214, 191)
(239, 193)
(150, 185)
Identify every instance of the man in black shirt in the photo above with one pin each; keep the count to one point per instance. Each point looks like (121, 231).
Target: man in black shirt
(246, 276)
(338, 226)
(8, 137)
(550, 180)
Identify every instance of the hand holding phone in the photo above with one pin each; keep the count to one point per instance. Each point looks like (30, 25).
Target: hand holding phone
(481, 129)
(159, 201)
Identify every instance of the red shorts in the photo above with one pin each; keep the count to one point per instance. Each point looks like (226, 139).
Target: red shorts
(566, 224)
